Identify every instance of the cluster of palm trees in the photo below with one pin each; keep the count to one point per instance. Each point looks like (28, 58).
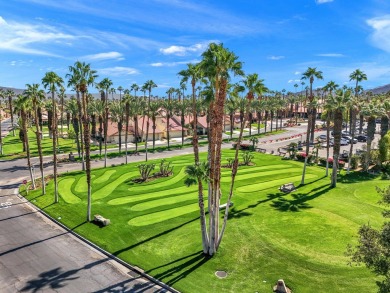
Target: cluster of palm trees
(213, 95)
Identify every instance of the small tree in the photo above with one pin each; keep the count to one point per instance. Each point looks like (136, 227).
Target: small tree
(292, 150)
(384, 148)
(145, 170)
(165, 168)
(247, 158)
(373, 248)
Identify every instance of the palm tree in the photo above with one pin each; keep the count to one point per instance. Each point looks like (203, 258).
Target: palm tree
(36, 96)
(126, 100)
(84, 76)
(310, 74)
(52, 82)
(149, 85)
(22, 107)
(137, 107)
(358, 76)
(169, 107)
(371, 110)
(73, 109)
(62, 95)
(105, 85)
(340, 102)
(73, 81)
(217, 64)
(193, 74)
(254, 86)
(117, 112)
(10, 94)
(154, 107)
(120, 89)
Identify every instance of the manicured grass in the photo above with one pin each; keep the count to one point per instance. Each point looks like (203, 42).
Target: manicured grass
(300, 237)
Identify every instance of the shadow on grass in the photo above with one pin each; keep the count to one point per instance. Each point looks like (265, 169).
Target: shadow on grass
(356, 177)
(182, 269)
(116, 253)
(299, 200)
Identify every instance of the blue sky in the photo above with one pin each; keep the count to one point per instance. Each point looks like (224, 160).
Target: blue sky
(131, 41)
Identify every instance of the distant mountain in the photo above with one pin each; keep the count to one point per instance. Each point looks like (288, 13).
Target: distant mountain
(381, 89)
(16, 91)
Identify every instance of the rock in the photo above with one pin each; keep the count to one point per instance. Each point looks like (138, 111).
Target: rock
(281, 287)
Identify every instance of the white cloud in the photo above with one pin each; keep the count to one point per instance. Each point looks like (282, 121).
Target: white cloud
(294, 80)
(104, 56)
(275, 57)
(381, 36)
(297, 72)
(117, 71)
(330, 55)
(21, 38)
(171, 64)
(182, 51)
(323, 1)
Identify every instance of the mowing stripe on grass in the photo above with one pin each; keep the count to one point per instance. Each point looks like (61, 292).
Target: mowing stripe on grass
(168, 182)
(81, 185)
(163, 193)
(64, 188)
(254, 169)
(109, 188)
(260, 174)
(166, 201)
(157, 217)
(273, 183)
(106, 175)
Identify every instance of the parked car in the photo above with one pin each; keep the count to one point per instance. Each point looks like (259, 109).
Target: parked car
(344, 141)
(349, 139)
(361, 138)
(331, 143)
(322, 137)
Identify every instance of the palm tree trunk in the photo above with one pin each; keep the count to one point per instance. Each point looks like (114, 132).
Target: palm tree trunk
(105, 134)
(352, 130)
(54, 130)
(12, 114)
(168, 130)
(127, 128)
(154, 132)
(38, 135)
(81, 130)
(309, 113)
(371, 125)
(120, 127)
(338, 122)
(327, 143)
(87, 139)
(26, 142)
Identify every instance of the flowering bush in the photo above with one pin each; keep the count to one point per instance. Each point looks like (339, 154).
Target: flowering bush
(302, 155)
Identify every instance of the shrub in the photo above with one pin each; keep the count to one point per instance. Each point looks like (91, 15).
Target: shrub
(247, 158)
(355, 161)
(302, 155)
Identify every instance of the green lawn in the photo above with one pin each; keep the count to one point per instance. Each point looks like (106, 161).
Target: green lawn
(300, 237)
(13, 147)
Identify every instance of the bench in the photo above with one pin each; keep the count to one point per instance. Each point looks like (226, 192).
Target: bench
(223, 206)
(287, 188)
(101, 220)
(282, 152)
(260, 150)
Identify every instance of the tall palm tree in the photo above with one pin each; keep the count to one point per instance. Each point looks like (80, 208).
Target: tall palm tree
(52, 82)
(149, 85)
(126, 100)
(169, 108)
(73, 81)
(117, 112)
(194, 74)
(36, 96)
(10, 94)
(22, 107)
(358, 76)
(105, 85)
(137, 107)
(61, 95)
(84, 76)
(310, 74)
(370, 110)
(154, 107)
(340, 102)
(73, 109)
(217, 64)
(120, 90)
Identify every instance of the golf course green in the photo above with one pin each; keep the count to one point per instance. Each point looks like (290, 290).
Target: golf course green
(301, 237)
